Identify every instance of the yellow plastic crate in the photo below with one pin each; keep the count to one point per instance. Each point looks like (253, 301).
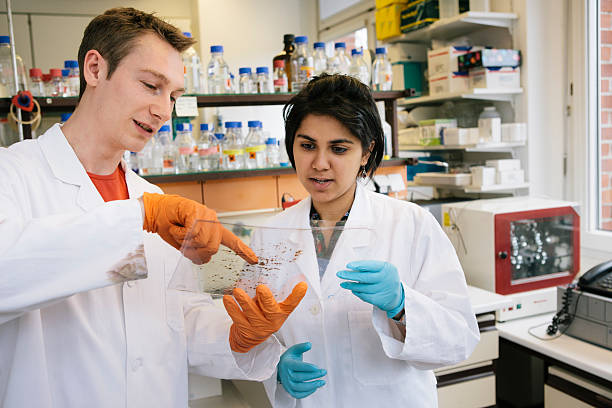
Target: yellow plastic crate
(384, 3)
(388, 21)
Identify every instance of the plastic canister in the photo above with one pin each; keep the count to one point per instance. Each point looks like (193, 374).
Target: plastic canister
(489, 126)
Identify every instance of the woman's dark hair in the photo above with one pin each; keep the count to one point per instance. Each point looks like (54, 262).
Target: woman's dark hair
(348, 101)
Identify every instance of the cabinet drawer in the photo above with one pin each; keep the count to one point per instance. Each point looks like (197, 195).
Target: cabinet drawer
(254, 193)
(468, 394)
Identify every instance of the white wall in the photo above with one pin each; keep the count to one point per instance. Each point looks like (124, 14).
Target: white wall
(541, 33)
(251, 33)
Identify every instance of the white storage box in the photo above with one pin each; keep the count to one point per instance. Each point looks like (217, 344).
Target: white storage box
(495, 78)
(443, 179)
(514, 132)
(504, 164)
(510, 177)
(431, 130)
(443, 61)
(460, 136)
(452, 83)
(482, 176)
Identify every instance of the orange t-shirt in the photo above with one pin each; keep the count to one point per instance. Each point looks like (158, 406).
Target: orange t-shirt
(111, 187)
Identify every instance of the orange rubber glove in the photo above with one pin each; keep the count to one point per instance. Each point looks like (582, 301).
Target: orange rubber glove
(173, 217)
(260, 316)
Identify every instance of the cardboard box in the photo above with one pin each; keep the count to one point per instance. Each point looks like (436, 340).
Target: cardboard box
(510, 177)
(489, 57)
(409, 136)
(460, 136)
(443, 61)
(452, 83)
(514, 132)
(504, 164)
(418, 14)
(482, 176)
(495, 78)
(432, 130)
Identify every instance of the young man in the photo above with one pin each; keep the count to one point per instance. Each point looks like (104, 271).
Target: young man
(79, 323)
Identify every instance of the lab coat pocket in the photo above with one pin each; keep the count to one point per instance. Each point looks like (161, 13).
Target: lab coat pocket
(172, 298)
(371, 366)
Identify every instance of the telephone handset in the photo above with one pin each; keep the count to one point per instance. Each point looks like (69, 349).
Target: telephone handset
(598, 280)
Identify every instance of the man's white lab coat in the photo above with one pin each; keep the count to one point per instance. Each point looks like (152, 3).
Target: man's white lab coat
(86, 319)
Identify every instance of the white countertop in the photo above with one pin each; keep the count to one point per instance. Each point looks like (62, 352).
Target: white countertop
(484, 301)
(580, 354)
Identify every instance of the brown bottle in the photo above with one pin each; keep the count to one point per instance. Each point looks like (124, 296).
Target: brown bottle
(285, 55)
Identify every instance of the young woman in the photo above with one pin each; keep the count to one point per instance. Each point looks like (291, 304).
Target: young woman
(385, 305)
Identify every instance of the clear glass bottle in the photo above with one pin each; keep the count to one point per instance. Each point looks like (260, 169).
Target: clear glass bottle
(255, 146)
(340, 62)
(302, 64)
(319, 58)
(285, 55)
(283, 157)
(193, 69)
(186, 147)
(7, 76)
(73, 76)
(358, 68)
(233, 149)
(145, 157)
(164, 136)
(218, 72)
(65, 84)
(280, 77)
(208, 149)
(221, 144)
(56, 85)
(157, 156)
(245, 83)
(36, 83)
(263, 80)
(272, 152)
(382, 73)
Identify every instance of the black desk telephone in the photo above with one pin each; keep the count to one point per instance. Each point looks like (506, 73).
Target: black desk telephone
(598, 280)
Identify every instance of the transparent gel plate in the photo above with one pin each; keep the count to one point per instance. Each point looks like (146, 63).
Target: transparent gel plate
(279, 251)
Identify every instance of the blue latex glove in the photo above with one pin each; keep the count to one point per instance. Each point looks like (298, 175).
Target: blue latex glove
(375, 282)
(295, 375)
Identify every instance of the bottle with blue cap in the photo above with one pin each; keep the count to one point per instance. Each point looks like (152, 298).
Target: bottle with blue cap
(245, 83)
(193, 69)
(233, 149)
(382, 73)
(73, 77)
(255, 146)
(358, 68)
(272, 152)
(340, 62)
(186, 149)
(302, 64)
(220, 142)
(319, 58)
(7, 77)
(264, 85)
(164, 137)
(218, 72)
(208, 149)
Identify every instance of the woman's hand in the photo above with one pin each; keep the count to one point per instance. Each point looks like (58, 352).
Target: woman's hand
(296, 376)
(375, 282)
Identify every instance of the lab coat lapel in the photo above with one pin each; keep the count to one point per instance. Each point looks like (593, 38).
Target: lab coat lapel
(66, 166)
(355, 243)
(307, 261)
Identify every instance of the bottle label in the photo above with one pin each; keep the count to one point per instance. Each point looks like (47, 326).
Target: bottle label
(208, 151)
(168, 164)
(232, 154)
(255, 149)
(280, 82)
(186, 150)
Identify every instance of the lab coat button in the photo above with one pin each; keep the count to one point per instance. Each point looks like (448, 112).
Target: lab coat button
(315, 309)
(136, 363)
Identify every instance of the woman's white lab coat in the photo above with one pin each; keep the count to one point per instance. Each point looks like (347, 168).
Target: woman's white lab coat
(76, 328)
(368, 363)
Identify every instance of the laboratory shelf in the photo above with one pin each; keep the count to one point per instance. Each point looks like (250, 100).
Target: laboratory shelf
(456, 26)
(485, 94)
(471, 189)
(484, 147)
(227, 174)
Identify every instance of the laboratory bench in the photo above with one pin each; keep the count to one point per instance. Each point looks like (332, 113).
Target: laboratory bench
(562, 372)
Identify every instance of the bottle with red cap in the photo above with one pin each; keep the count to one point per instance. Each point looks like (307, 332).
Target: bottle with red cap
(37, 87)
(280, 77)
(56, 87)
